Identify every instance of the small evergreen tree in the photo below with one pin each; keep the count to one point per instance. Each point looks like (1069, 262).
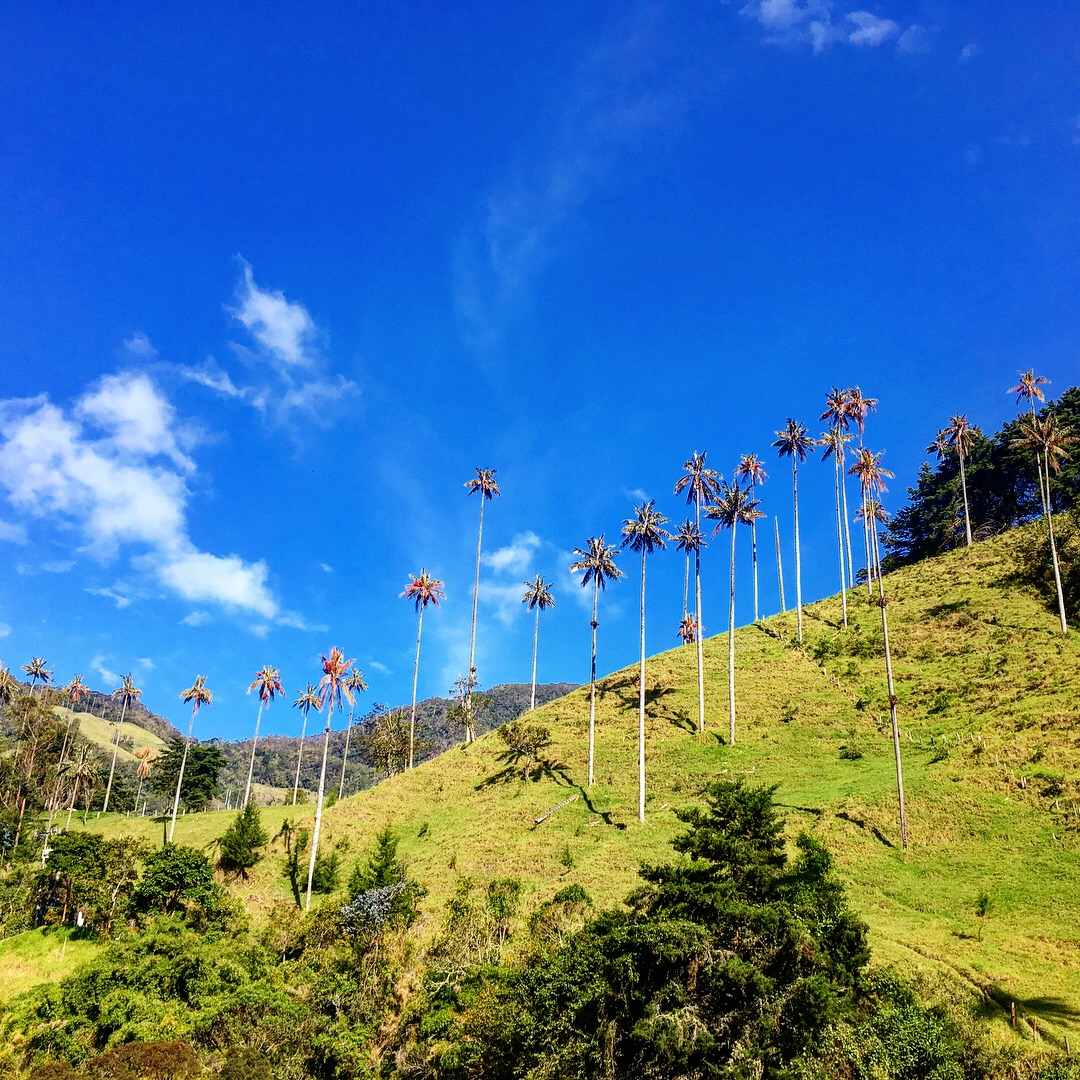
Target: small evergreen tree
(240, 844)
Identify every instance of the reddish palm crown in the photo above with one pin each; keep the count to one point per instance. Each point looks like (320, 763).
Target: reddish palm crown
(268, 683)
(837, 405)
(871, 473)
(333, 686)
(751, 470)
(859, 407)
(1029, 388)
(197, 694)
(424, 590)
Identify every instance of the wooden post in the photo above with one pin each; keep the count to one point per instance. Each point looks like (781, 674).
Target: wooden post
(1012, 1013)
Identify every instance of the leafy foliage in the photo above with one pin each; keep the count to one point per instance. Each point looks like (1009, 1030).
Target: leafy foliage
(204, 764)
(240, 843)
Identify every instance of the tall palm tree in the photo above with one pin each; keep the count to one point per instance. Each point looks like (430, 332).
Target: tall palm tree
(596, 563)
(733, 507)
(538, 597)
(268, 683)
(75, 691)
(959, 434)
(688, 539)
(127, 694)
(858, 407)
(483, 483)
(753, 472)
(700, 484)
(1029, 389)
(794, 442)
(199, 696)
(423, 590)
(872, 475)
(833, 440)
(8, 684)
(687, 631)
(332, 688)
(307, 700)
(82, 773)
(838, 413)
(38, 669)
(644, 533)
(1051, 443)
(355, 682)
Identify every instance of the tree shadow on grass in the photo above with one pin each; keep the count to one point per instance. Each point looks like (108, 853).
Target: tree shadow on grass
(872, 829)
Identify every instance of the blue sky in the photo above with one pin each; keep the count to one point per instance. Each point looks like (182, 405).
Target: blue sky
(274, 282)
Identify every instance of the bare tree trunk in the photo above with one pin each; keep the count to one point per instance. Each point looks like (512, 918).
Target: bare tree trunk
(963, 488)
(731, 645)
(798, 563)
(415, 675)
(318, 806)
(699, 630)
(847, 520)
(180, 777)
(753, 550)
(299, 759)
(536, 641)
(840, 540)
(779, 565)
(641, 702)
(251, 764)
(116, 749)
(592, 683)
(472, 638)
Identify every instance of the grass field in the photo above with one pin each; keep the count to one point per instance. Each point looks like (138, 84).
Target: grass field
(989, 706)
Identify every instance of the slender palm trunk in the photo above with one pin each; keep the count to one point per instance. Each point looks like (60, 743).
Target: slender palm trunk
(641, 702)
(415, 675)
(840, 540)
(592, 683)
(251, 764)
(798, 563)
(779, 566)
(731, 645)
(753, 550)
(699, 630)
(180, 778)
(472, 638)
(847, 519)
(536, 641)
(67, 737)
(686, 586)
(318, 807)
(71, 805)
(892, 706)
(299, 759)
(138, 793)
(1057, 569)
(345, 758)
(963, 488)
(116, 749)
(866, 544)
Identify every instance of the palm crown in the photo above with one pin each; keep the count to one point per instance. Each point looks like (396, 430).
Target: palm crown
(871, 473)
(128, 692)
(597, 563)
(688, 537)
(268, 683)
(959, 434)
(733, 506)
(538, 594)
(333, 685)
(197, 694)
(76, 690)
(699, 482)
(837, 405)
(751, 469)
(858, 407)
(1048, 438)
(38, 669)
(423, 590)
(644, 532)
(1029, 388)
(793, 441)
(484, 482)
(307, 700)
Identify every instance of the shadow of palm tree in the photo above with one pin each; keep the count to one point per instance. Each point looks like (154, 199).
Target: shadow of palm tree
(872, 829)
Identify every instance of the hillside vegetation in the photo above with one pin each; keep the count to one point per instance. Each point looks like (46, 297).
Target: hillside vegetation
(989, 697)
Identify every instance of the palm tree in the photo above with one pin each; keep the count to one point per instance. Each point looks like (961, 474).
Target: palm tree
(82, 772)
(1050, 442)
(142, 771)
(8, 684)
(305, 702)
(1029, 389)
(687, 631)
(199, 696)
(644, 533)
(355, 682)
(701, 484)
(424, 590)
(872, 475)
(751, 469)
(596, 563)
(484, 483)
(794, 442)
(959, 435)
(833, 440)
(858, 407)
(38, 669)
(332, 688)
(733, 507)
(538, 597)
(127, 694)
(688, 538)
(838, 412)
(75, 691)
(268, 683)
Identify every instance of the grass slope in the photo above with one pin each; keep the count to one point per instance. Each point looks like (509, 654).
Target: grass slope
(102, 733)
(989, 701)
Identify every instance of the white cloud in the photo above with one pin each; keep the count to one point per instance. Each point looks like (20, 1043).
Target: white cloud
(326, 568)
(57, 566)
(637, 495)
(382, 669)
(505, 599)
(515, 557)
(119, 599)
(211, 376)
(140, 345)
(197, 618)
(296, 621)
(282, 327)
(5, 630)
(125, 487)
(145, 663)
(914, 40)
(969, 50)
(107, 675)
(870, 29)
(14, 534)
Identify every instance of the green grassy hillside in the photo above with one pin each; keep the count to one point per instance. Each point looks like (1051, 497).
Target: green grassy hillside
(989, 702)
(102, 733)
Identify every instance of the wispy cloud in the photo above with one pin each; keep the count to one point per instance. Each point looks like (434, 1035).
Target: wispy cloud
(5, 630)
(515, 557)
(12, 533)
(118, 599)
(197, 618)
(615, 103)
(817, 24)
(287, 376)
(141, 346)
(106, 674)
(382, 669)
(115, 470)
